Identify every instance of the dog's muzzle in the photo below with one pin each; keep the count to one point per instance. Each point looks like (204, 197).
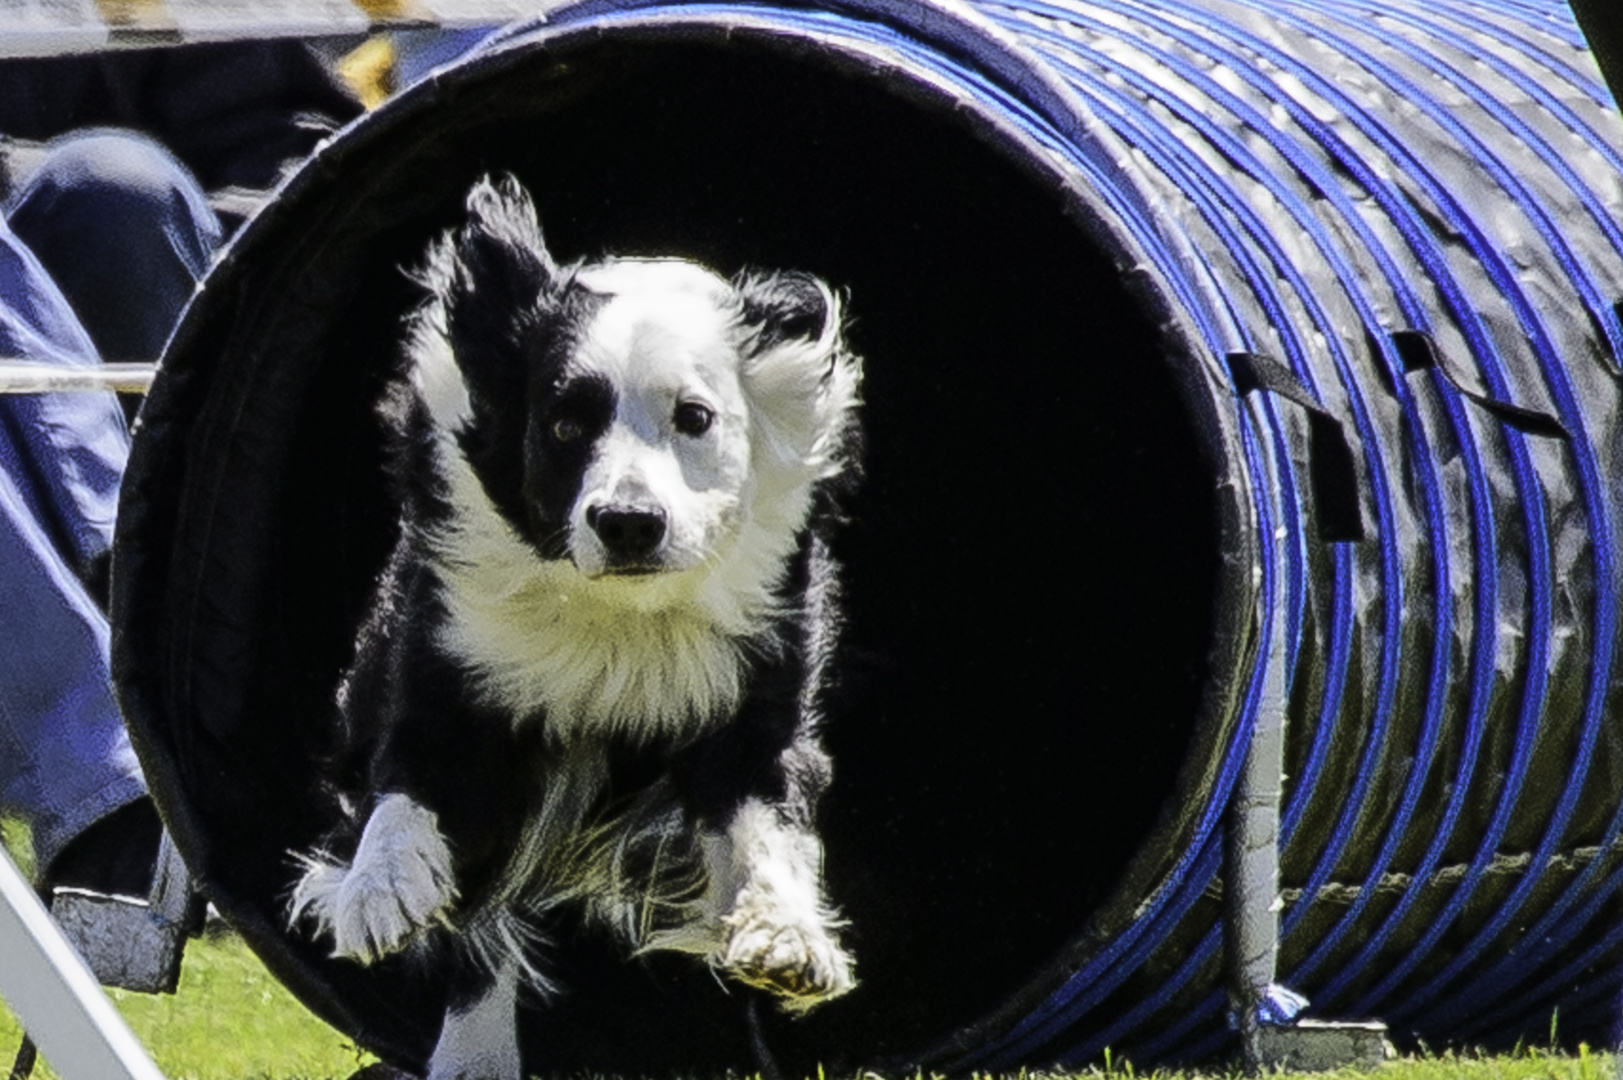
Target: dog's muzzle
(631, 537)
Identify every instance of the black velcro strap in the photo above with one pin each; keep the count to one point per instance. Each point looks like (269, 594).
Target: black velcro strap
(1332, 468)
(1418, 352)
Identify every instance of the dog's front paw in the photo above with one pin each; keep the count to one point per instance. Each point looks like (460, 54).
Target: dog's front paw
(399, 884)
(380, 906)
(798, 960)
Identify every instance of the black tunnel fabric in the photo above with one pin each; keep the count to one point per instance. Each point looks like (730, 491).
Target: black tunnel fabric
(1292, 325)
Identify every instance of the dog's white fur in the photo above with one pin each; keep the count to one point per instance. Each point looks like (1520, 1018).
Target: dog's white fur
(603, 655)
(776, 920)
(481, 1040)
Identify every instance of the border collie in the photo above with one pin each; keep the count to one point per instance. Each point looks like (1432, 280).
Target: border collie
(592, 670)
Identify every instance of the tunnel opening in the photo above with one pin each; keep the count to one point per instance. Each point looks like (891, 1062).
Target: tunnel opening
(1032, 560)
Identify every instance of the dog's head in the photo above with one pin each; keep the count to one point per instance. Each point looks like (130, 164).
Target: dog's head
(643, 420)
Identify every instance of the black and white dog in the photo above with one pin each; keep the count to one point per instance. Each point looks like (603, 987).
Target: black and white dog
(614, 481)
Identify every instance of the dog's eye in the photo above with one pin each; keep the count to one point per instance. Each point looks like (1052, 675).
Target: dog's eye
(567, 430)
(692, 418)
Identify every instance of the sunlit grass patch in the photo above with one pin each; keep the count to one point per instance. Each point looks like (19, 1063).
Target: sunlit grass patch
(229, 1020)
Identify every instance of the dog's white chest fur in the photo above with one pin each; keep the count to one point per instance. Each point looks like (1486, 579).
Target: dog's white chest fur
(542, 641)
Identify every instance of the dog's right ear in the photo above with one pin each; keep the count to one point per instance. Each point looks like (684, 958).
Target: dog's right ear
(502, 280)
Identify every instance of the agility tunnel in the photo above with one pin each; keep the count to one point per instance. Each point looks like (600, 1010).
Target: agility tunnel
(1238, 372)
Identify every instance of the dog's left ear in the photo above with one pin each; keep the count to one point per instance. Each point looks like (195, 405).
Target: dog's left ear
(801, 379)
(785, 306)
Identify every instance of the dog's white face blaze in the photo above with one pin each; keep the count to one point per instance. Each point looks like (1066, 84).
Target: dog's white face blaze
(660, 652)
(664, 339)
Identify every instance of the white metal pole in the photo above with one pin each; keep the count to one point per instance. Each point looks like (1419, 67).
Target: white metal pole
(23, 377)
(54, 995)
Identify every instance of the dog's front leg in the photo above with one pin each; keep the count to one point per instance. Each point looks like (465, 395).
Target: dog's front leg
(399, 883)
(479, 1040)
(778, 931)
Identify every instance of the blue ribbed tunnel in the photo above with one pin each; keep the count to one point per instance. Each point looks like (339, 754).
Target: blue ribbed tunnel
(1302, 315)
(1414, 203)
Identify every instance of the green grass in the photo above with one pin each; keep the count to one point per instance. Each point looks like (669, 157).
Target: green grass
(230, 1020)
(1523, 1064)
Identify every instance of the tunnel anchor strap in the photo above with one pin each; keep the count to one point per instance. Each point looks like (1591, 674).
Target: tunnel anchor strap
(1274, 1035)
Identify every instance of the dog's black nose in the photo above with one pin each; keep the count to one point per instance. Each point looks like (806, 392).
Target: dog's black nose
(630, 535)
